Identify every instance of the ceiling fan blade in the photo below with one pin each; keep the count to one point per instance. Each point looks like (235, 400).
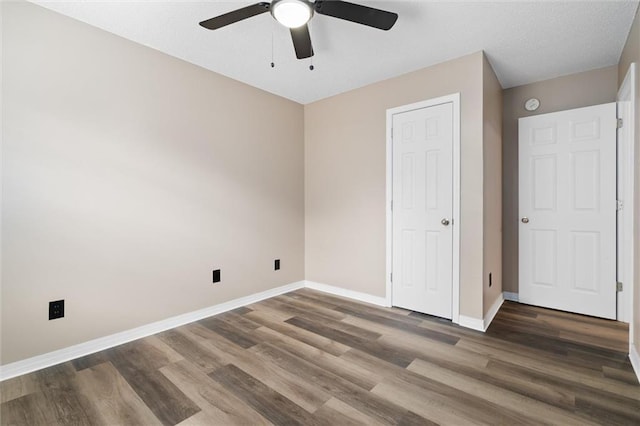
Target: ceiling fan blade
(359, 14)
(302, 42)
(235, 16)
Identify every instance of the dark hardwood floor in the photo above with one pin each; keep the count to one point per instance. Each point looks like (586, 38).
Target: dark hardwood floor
(310, 358)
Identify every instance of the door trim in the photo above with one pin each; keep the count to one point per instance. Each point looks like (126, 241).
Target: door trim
(627, 93)
(455, 100)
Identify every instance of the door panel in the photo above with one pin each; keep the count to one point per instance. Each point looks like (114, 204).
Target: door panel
(568, 197)
(423, 196)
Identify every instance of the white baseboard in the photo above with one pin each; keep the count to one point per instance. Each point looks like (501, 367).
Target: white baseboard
(513, 297)
(635, 360)
(76, 351)
(470, 322)
(493, 311)
(350, 294)
(482, 324)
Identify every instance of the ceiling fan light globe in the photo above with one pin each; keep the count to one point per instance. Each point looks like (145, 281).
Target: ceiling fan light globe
(291, 13)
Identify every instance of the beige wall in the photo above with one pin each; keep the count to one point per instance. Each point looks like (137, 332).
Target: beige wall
(631, 53)
(572, 91)
(345, 179)
(492, 185)
(128, 176)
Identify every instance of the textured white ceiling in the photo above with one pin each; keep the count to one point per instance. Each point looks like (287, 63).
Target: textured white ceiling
(525, 41)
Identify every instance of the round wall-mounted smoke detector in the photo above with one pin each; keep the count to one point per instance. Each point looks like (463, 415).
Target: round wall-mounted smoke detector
(532, 104)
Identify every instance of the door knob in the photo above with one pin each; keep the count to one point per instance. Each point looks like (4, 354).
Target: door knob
(445, 221)
(525, 220)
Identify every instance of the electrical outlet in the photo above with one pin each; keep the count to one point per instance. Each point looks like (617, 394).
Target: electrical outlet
(56, 309)
(276, 264)
(216, 276)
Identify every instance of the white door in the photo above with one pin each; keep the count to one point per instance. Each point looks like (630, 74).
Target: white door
(568, 210)
(422, 210)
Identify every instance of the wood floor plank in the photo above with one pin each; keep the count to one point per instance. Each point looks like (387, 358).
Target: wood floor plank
(577, 387)
(576, 374)
(170, 354)
(30, 409)
(443, 398)
(269, 403)
(402, 326)
(567, 316)
(139, 355)
(277, 378)
(17, 387)
(608, 411)
(410, 342)
(310, 306)
(305, 336)
(219, 406)
(65, 403)
(382, 351)
(218, 346)
(349, 371)
(408, 396)
(498, 395)
(89, 361)
(626, 375)
(241, 310)
(191, 350)
(442, 395)
(598, 362)
(337, 412)
(334, 323)
(239, 321)
(562, 397)
(264, 310)
(556, 340)
(339, 302)
(164, 399)
(297, 307)
(229, 331)
(115, 401)
(338, 387)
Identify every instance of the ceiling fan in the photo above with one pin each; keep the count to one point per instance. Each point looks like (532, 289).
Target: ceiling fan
(295, 14)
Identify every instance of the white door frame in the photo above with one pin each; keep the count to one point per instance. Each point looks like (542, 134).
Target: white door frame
(627, 93)
(455, 100)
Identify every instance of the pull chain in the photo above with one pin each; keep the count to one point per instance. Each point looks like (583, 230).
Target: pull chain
(273, 65)
(311, 67)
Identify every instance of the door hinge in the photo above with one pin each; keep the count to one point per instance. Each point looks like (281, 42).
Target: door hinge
(391, 205)
(619, 205)
(391, 278)
(618, 286)
(620, 123)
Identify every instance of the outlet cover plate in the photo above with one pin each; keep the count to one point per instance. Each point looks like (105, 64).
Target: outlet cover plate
(56, 309)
